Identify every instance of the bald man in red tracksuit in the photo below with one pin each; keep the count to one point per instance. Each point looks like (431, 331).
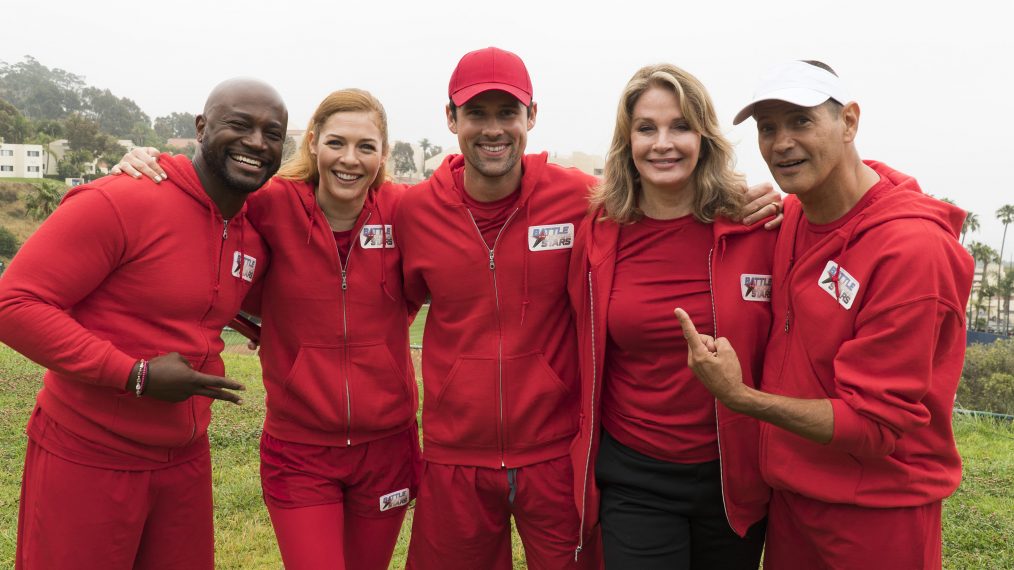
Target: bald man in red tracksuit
(122, 295)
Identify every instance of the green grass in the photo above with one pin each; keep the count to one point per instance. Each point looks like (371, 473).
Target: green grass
(978, 519)
(415, 332)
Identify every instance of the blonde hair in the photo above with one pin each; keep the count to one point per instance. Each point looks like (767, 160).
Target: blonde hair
(303, 165)
(715, 182)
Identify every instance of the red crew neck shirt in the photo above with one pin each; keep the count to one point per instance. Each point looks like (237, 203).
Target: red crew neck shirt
(489, 217)
(651, 401)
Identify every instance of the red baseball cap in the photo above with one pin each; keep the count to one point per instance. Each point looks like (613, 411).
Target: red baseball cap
(490, 69)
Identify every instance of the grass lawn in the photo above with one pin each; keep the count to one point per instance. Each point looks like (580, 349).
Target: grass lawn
(978, 519)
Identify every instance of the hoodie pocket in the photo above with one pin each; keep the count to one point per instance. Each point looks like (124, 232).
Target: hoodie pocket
(465, 412)
(379, 389)
(539, 407)
(313, 392)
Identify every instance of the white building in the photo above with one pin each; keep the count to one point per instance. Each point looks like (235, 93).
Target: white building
(21, 161)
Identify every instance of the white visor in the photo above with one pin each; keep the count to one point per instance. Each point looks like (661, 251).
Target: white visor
(799, 83)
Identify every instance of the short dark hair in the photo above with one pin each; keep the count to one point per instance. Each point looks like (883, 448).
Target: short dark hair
(821, 65)
(454, 108)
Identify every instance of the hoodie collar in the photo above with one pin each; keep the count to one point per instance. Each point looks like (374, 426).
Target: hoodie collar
(181, 172)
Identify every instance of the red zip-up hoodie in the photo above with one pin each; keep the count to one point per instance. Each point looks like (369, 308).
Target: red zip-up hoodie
(872, 318)
(500, 358)
(334, 340)
(739, 268)
(123, 271)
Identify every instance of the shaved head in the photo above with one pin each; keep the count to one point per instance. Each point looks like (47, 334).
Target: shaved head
(225, 92)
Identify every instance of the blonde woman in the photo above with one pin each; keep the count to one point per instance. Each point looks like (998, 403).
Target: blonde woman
(670, 475)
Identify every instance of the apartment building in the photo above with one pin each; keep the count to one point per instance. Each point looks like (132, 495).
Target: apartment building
(21, 161)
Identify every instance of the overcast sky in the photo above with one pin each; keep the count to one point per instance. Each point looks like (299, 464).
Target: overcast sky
(934, 85)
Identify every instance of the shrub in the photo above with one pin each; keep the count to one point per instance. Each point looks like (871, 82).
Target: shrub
(8, 195)
(987, 382)
(8, 243)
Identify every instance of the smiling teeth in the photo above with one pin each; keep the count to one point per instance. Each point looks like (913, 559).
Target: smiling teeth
(492, 148)
(246, 160)
(346, 176)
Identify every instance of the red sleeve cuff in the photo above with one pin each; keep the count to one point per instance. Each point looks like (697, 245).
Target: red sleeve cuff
(856, 434)
(115, 370)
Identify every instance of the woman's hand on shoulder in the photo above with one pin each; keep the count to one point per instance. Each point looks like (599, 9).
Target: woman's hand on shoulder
(141, 161)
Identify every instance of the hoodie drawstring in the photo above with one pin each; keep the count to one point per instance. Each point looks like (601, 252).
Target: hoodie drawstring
(525, 300)
(383, 249)
(841, 255)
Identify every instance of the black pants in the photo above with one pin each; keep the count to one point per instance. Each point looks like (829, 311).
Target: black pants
(668, 516)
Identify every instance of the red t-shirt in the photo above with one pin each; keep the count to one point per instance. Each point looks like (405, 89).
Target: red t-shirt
(489, 216)
(344, 241)
(808, 234)
(651, 401)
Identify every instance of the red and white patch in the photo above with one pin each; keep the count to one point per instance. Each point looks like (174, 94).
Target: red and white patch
(246, 269)
(394, 500)
(376, 236)
(848, 287)
(755, 287)
(550, 237)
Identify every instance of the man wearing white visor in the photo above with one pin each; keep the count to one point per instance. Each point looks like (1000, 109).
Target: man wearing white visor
(869, 286)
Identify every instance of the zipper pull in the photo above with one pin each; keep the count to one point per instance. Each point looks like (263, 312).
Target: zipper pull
(786, 321)
(225, 230)
(345, 284)
(492, 266)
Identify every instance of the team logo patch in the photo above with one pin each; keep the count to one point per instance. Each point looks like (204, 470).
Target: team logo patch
(246, 267)
(848, 287)
(755, 287)
(370, 237)
(555, 236)
(394, 500)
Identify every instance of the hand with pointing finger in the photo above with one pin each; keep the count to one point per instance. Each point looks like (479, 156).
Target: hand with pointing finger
(170, 378)
(714, 362)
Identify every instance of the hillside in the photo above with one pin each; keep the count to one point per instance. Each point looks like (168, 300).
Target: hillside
(13, 193)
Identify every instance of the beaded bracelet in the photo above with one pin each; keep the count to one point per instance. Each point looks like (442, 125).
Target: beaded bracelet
(142, 376)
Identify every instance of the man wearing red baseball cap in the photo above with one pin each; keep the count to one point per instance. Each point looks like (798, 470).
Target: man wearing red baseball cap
(870, 285)
(488, 239)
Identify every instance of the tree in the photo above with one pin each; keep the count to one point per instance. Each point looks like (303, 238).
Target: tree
(39, 92)
(82, 133)
(117, 116)
(403, 157)
(8, 243)
(1004, 291)
(985, 254)
(41, 203)
(73, 163)
(429, 151)
(14, 127)
(1006, 215)
(971, 224)
(176, 126)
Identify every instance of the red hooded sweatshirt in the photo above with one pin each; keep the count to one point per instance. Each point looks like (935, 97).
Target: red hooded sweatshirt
(872, 318)
(123, 270)
(740, 273)
(334, 341)
(500, 360)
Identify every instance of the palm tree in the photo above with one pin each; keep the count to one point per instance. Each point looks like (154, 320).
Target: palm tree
(1006, 216)
(1004, 291)
(41, 203)
(985, 254)
(971, 224)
